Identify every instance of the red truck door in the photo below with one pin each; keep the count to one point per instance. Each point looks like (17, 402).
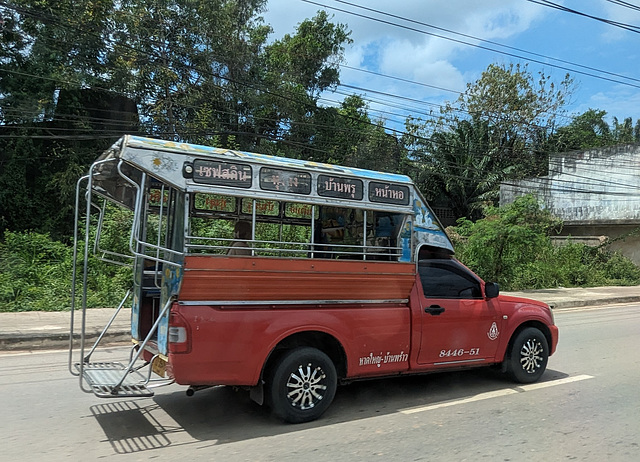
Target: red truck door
(459, 326)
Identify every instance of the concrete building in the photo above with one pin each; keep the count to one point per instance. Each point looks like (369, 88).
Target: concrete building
(596, 193)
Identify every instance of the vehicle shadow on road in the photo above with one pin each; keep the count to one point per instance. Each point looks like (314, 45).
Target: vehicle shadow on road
(224, 415)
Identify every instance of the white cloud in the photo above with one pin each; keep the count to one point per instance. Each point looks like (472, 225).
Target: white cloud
(407, 54)
(381, 46)
(620, 102)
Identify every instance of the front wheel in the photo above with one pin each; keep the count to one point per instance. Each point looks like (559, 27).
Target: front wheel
(528, 357)
(302, 385)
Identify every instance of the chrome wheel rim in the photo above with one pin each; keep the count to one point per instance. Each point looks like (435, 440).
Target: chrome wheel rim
(531, 356)
(305, 386)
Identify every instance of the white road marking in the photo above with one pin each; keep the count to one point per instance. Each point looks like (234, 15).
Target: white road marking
(496, 394)
(537, 386)
(480, 397)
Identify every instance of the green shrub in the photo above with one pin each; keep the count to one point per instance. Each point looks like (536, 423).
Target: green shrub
(512, 246)
(35, 275)
(619, 270)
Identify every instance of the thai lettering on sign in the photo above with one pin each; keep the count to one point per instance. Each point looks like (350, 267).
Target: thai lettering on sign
(388, 193)
(263, 207)
(214, 202)
(222, 173)
(272, 179)
(298, 210)
(344, 188)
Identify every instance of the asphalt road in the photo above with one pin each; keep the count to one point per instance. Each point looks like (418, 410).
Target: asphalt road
(586, 407)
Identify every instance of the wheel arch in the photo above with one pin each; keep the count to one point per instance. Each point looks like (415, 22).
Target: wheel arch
(542, 327)
(323, 341)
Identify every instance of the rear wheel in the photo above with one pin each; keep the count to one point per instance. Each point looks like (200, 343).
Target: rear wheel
(528, 357)
(302, 385)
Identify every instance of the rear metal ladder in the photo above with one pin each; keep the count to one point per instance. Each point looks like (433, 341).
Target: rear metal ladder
(115, 379)
(107, 379)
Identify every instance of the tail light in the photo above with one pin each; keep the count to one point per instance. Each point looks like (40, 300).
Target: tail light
(179, 334)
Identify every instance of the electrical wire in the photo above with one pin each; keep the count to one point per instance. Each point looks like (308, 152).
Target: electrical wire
(629, 27)
(479, 39)
(624, 4)
(365, 90)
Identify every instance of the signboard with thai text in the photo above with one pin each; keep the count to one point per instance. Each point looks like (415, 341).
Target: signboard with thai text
(222, 173)
(343, 188)
(263, 207)
(214, 202)
(388, 193)
(293, 210)
(291, 181)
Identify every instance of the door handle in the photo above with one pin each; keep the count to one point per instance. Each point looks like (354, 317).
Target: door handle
(434, 310)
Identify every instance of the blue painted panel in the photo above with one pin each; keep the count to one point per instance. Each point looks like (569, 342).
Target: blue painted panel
(171, 279)
(427, 228)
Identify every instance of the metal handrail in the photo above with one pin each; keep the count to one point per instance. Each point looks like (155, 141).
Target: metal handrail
(135, 229)
(74, 272)
(142, 346)
(99, 252)
(85, 272)
(336, 249)
(107, 326)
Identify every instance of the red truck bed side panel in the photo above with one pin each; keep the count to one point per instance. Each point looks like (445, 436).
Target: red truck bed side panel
(259, 278)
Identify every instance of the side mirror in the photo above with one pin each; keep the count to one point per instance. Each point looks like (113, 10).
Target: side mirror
(491, 289)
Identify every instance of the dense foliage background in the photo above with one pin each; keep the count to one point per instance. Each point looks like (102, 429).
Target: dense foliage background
(75, 75)
(512, 245)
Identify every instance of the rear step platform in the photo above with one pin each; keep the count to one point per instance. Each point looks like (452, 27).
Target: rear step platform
(103, 377)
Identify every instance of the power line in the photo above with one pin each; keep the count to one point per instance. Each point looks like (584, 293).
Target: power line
(400, 79)
(275, 94)
(629, 27)
(479, 39)
(482, 47)
(631, 6)
(289, 98)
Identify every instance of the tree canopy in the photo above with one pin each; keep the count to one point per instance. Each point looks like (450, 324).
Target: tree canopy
(493, 132)
(591, 130)
(77, 74)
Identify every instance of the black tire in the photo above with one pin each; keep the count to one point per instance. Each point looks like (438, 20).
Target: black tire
(528, 357)
(302, 385)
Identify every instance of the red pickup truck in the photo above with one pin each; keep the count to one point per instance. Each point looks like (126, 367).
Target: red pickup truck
(288, 277)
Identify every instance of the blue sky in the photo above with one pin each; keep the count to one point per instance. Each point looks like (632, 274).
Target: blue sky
(436, 62)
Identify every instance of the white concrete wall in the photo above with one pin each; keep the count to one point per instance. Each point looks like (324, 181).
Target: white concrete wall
(595, 193)
(594, 187)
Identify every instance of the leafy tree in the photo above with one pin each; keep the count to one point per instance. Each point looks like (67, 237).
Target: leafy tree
(624, 132)
(591, 130)
(458, 167)
(49, 52)
(507, 238)
(461, 160)
(198, 71)
(588, 130)
(297, 69)
(47, 46)
(187, 61)
(519, 109)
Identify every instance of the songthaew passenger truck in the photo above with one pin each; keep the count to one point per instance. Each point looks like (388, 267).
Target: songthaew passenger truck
(284, 277)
